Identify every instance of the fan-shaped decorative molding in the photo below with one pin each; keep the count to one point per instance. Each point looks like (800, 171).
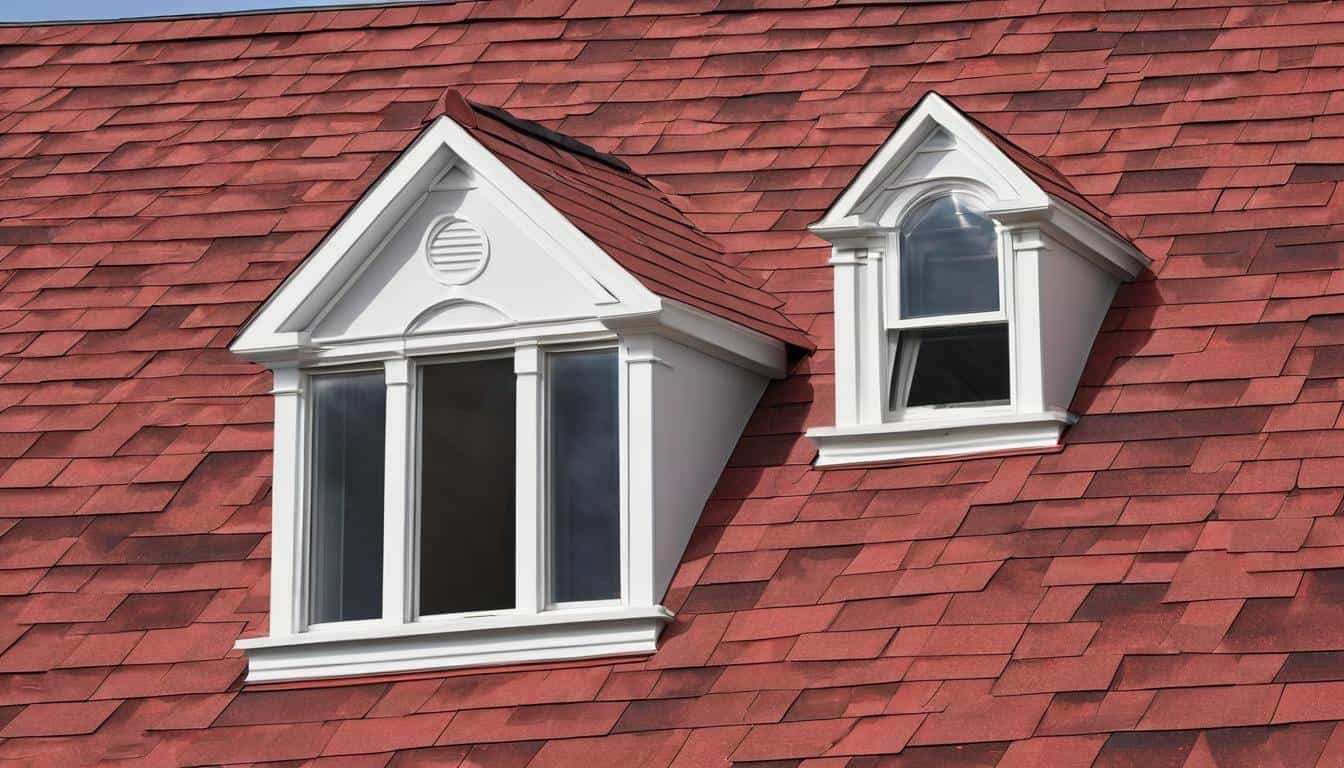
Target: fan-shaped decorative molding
(459, 315)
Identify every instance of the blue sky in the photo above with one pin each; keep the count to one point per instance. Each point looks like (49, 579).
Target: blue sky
(64, 10)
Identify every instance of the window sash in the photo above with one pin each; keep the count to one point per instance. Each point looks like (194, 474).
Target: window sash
(555, 506)
(309, 578)
(896, 363)
(905, 353)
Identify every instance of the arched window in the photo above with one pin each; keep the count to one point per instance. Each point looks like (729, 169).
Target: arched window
(950, 334)
(949, 259)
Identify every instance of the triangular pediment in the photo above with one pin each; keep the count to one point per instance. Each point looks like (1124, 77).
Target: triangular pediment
(449, 239)
(934, 144)
(938, 148)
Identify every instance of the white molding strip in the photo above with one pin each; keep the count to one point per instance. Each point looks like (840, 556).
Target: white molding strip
(376, 648)
(926, 438)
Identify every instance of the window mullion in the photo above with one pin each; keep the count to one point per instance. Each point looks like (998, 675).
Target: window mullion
(398, 496)
(530, 485)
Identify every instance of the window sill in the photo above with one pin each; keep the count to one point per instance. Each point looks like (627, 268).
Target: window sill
(942, 435)
(370, 648)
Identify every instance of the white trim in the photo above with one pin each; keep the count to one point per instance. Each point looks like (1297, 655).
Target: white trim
(369, 649)
(400, 460)
(288, 542)
(529, 366)
(1009, 193)
(279, 328)
(951, 435)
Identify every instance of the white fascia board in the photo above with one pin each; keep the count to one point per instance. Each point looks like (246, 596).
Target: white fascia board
(954, 435)
(844, 217)
(378, 648)
(715, 336)
(264, 336)
(278, 330)
(1114, 254)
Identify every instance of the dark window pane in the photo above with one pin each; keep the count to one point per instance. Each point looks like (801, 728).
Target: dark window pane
(585, 526)
(955, 366)
(467, 543)
(346, 551)
(949, 260)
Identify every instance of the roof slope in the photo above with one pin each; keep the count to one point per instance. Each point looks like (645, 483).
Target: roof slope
(628, 217)
(1166, 590)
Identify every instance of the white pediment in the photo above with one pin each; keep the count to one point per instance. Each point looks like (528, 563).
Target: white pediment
(450, 240)
(935, 145)
(464, 258)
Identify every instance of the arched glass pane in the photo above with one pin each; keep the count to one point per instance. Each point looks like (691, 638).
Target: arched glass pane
(949, 260)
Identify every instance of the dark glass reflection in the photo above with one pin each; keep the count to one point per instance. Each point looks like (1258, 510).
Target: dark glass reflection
(584, 457)
(957, 366)
(467, 542)
(346, 549)
(949, 262)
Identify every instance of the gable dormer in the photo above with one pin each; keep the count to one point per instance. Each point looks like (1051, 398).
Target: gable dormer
(505, 386)
(970, 282)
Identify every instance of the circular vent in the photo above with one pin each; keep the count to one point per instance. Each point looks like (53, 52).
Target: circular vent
(457, 250)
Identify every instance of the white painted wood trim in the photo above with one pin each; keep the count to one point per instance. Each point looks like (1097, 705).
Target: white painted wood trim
(951, 436)
(287, 506)
(638, 359)
(441, 644)
(399, 484)
(530, 473)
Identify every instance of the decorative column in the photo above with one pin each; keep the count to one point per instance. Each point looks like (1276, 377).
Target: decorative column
(639, 363)
(859, 346)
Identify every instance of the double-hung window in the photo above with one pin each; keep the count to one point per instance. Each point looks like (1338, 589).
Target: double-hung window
(948, 339)
(463, 559)
(969, 286)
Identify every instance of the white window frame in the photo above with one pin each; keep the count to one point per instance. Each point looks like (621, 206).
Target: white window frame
(535, 628)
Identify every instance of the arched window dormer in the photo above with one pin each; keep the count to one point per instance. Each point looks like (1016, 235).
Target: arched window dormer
(970, 281)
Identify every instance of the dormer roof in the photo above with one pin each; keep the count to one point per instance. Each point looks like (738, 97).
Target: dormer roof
(937, 140)
(626, 215)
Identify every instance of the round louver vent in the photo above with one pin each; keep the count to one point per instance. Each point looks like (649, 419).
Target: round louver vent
(457, 250)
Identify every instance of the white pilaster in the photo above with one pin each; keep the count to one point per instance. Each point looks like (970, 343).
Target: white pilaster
(287, 517)
(1024, 247)
(639, 359)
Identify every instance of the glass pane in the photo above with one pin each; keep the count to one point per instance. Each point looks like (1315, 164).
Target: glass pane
(346, 551)
(585, 485)
(955, 366)
(949, 261)
(467, 543)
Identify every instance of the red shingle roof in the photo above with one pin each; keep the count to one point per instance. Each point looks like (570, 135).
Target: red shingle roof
(629, 218)
(1165, 590)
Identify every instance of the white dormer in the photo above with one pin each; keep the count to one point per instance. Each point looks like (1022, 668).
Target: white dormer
(492, 439)
(968, 290)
